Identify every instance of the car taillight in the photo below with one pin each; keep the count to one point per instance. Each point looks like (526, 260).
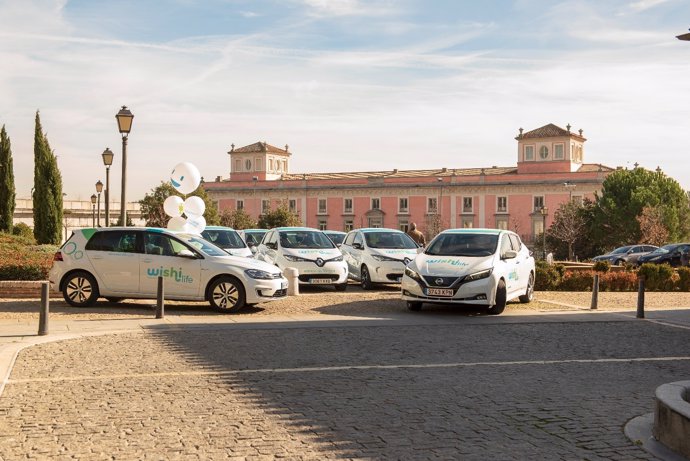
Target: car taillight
(58, 256)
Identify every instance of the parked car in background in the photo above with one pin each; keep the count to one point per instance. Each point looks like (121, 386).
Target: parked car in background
(125, 262)
(308, 250)
(252, 237)
(376, 255)
(228, 239)
(336, 236)
(486, 267)
(626, 254)
(672, 254)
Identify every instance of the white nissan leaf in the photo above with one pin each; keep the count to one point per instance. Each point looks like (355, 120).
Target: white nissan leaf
(486, 267)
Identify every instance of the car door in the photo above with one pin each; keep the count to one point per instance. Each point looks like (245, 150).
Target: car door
(346, 249)
(114, 256)
(181, 274)
(357, 255)
(508, 266)
(521, 261)
(269, 247)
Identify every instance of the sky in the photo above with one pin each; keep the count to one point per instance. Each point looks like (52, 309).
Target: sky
(349, 85)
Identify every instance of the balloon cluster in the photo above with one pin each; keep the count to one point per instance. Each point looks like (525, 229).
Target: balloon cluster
(185, 215)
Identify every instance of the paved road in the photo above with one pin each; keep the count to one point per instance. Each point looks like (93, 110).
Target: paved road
(458, 388)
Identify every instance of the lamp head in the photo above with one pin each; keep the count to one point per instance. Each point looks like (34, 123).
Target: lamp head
(93, 199)
(107, 156)
(124, 120)
(99, 186)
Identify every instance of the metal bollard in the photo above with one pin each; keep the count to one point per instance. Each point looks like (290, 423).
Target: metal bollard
(160, 304)
(640, 298)
(292, 274)
(43, 317)
(595, 292)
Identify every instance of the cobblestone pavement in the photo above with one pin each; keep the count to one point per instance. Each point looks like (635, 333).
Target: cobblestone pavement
(462, 390)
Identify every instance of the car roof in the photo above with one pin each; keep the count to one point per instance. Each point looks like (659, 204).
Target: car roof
(218, 228)
(254, 230)
(296, 228)
(474, 231)
(378, 229)
(333, 232)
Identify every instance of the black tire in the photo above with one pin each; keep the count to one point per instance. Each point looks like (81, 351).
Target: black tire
(113, 299)
(80, 289)
(619, 262)
(529, 294)
(501, 295)
(366, 279)
(341, 287)
(414, 305)
(226, 294)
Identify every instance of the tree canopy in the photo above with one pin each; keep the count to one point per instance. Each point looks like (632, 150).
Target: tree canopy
(152, 205)
(237, 219)
(47, 193)
(7, 189)
(280, 217)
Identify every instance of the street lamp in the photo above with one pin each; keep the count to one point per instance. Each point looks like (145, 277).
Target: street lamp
(544, 211)
(124, 124)
(439, 205)
(93, 210)
(685, 37)
(107, 161)
(570, 186)
(99, 189)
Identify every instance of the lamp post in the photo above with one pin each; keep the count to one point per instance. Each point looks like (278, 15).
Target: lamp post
(99, 189)
(93, 210)
(439, 205)
(570, 186)
(544, 211)
(256, 207)
(124, 124)
(107, 161)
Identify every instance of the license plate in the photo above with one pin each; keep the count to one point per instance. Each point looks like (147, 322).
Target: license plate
(320, 281)
(439, 292)
(283, 285)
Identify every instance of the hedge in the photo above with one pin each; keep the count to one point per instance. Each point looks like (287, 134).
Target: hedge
(22, 259)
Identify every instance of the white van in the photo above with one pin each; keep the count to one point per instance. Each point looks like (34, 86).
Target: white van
(310, 251)
(485, 267)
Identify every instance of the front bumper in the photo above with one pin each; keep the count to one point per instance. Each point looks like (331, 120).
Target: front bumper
(479, 292)
(386, 271)
(332, 273)
(262, 291)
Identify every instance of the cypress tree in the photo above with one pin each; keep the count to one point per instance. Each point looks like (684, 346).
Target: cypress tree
(7, 190)
(47, 195)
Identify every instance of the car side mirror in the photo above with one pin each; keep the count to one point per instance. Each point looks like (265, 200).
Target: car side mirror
(251, 244)
(338, 245)
(186, 254)
(420, 250)
(357, 246)
(272, 245)
(510, 254)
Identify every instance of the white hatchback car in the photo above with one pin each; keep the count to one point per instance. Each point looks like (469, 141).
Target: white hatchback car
(471, 266)
(376, 255)
(228, 239)
(314, 255)
(125, 262)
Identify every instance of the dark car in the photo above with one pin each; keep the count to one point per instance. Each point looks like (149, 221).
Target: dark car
(675, 254)
(627, 254)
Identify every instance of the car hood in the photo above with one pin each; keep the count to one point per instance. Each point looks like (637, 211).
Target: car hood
(244, 263)
(400, 254)
(239, 251)
(450, 265)
(313, 253)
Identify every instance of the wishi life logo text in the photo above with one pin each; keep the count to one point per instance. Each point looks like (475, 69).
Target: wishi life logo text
(172, 273)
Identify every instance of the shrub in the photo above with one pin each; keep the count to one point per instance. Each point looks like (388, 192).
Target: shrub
(618, 281)
(683, 283)
(24, 231)
(602, 266)
(547, 276)
(23, 260)
(577, 281)
(658, 277)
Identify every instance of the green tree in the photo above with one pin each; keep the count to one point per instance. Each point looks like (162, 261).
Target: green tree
(47, 194)
(7, 190)
(237, 219)
(152, 205)
(625, 194)
(280, 217)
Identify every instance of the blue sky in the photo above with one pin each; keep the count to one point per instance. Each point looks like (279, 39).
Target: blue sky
(350, 85)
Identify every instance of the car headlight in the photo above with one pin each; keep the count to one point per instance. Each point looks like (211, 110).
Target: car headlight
(336, 259)
(261, 275)
(478, 275)
(295, 258)
(412, 274)
(384, 258)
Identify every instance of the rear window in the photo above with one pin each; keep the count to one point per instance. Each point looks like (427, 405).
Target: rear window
(116, 241)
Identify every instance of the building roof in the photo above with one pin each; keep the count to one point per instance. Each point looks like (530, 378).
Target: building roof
(550, 131)
(261, 146)
(443, 172)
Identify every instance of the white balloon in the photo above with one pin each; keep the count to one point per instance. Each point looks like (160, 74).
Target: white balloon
(185, 177)
(177, 224)
(174, 206)
(195, 225)
(194, 207)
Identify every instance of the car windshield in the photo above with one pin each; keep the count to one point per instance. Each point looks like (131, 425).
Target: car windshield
(394, 240)
(337, 238)
(224, 238)
(204, 246)
(305, 239)
(452, 244)
(664, 249)
(621, 250)
(254, 237)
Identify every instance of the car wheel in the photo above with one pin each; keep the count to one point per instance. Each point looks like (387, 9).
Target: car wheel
(501, 300)
(341, 287)
(529, 294)
(226, 295)
(619, 262)
(80, 289)
(414, 305)
(113, 299)
(366, 279)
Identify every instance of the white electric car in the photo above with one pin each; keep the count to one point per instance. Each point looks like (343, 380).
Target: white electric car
(252, 237)
(485, 267)
(314, 255)
(125, 262)
(377, 255)
(228, 239)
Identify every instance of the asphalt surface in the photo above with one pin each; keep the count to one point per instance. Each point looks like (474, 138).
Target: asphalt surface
(409, 386)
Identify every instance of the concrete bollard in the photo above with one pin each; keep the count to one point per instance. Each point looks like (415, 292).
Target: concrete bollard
(292, 274)
(160, 303)
(43, 317)
(595, 292)
(640, 298)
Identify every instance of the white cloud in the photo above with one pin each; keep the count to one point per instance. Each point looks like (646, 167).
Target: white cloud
(642, 5)
(329, 8)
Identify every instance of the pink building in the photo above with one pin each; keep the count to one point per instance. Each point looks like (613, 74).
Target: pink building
(550, 170)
